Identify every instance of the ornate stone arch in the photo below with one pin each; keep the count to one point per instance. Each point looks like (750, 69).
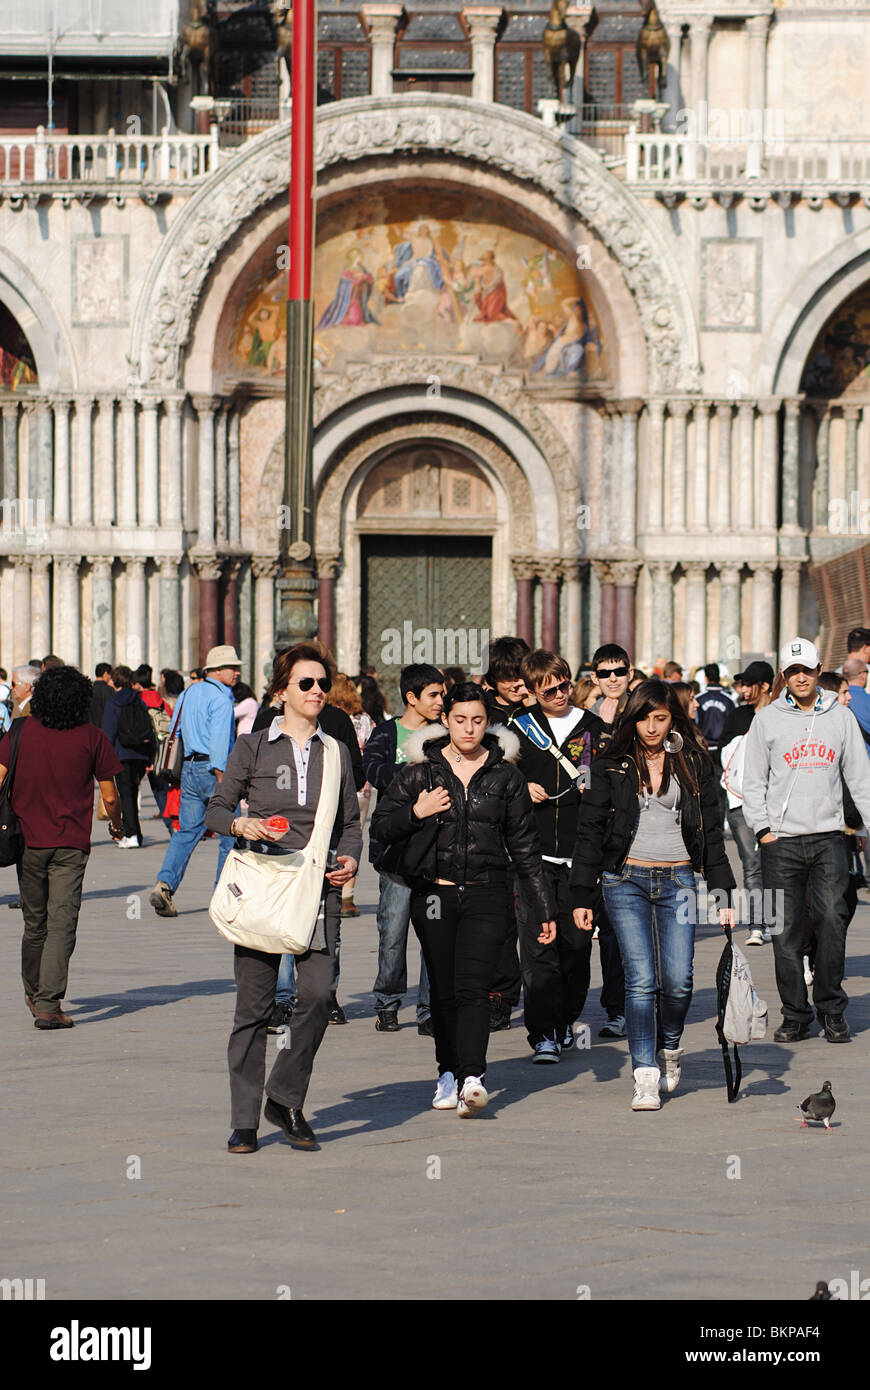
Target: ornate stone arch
(55, 361)
(496, 137)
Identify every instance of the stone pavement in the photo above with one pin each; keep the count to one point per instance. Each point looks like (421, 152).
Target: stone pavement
(557, 1189)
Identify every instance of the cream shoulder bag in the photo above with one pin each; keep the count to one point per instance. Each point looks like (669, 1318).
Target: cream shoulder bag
(271, 902)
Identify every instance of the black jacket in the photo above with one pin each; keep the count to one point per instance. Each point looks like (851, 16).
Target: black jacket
(488, 822)
(332, 721)
(609, 812)
(556, 819)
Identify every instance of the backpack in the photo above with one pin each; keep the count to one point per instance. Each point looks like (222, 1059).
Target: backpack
(161, 721)
(135, 729)
(741, 1017)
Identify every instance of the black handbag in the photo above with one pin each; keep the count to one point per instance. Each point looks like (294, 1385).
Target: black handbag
(415, 858)
(170, 759)
(11, 838)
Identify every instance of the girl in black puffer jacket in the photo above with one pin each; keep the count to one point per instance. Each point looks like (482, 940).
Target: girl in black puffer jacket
(452, 817)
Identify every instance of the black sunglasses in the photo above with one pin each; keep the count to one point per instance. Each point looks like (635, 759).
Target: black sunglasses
(561, 689)
(308, 683)
(614, 671)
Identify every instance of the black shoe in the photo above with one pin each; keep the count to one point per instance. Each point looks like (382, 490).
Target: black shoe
(835, 1028)
(387, 1021)
(242, 1141)
(425, 1029)
(499, 1017)
(792, 1031)
(280, 1017)
(336, 1013)
(293, 1123)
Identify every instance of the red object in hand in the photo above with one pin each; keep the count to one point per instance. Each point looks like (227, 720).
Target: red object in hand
(278, 823)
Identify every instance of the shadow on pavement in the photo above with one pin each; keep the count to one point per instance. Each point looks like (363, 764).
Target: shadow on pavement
(132, 1000)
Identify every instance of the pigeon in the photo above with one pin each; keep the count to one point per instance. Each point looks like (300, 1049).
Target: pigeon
(819, 1106)
(822, 1294)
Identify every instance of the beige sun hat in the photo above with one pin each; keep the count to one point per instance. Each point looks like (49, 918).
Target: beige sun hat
(221, 656)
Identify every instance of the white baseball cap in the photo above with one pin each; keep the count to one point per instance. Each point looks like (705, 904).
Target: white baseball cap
(799, 652)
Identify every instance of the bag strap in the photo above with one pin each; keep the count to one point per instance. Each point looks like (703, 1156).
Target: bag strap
(330, 787)
(15, 732)
(732, 1078)
(536, 735)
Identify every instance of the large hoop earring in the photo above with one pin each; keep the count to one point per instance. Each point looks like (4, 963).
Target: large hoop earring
(674, 742)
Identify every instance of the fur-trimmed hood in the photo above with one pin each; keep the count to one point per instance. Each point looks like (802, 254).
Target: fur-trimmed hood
(496, 734)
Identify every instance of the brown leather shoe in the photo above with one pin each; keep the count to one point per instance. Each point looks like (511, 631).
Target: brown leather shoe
(29, 1002)
(56, 1020)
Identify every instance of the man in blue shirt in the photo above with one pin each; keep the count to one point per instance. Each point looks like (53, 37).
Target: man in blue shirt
(205, 716)
(855, 671)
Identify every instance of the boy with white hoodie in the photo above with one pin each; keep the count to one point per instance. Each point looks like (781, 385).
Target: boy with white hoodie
(796, 750)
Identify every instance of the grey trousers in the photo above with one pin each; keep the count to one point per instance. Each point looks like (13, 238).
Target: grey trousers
(50, 886)
(256, 981)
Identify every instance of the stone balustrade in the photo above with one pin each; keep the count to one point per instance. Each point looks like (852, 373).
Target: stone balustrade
(109, 163)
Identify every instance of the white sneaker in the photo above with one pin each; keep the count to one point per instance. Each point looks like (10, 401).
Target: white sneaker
(547, 1050)
(128, 842)
(446, 1093)
(568, 1040)
(646, 1089)
(669, 1063)
(808, 974)
(472, 1097)
(755, 937)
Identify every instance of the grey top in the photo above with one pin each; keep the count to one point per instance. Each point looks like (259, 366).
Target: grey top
(658, 838)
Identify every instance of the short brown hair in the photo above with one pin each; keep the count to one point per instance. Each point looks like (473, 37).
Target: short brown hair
(344, 695)
(284, 662)
(122, 676)
(539, 664)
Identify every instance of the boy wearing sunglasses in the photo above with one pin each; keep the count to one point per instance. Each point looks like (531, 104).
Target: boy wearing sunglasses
(613, 672)
(557, 744)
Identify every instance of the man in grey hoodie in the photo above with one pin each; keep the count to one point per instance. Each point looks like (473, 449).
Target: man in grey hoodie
(797, 751)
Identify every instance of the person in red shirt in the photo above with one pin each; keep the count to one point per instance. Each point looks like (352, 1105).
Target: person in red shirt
(60, 753)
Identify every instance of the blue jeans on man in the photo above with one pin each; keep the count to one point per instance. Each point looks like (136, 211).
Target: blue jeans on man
(394, 918)
(198, 783)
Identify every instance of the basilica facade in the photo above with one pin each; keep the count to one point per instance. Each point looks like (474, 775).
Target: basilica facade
(585, 371)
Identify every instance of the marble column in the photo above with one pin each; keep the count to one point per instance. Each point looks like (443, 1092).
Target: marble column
(624, 574)
(127, 468)
(381, 22)
(149, 496)
(662, 644)
(170, 612)
(205, 408)
(40, 607)
(42, 482)
(21, 610)
(208, 573)
(789, 600)
(756, 29)
(852, 416)
(173, 461)
(549, 573)
(626, 512)
(234, 481)
(699, 30)
(607, 590)
(609, 476)
(264, 570)
(822, 482)
(104, 463)
(700, 480)
(730, 638)
(745, 465)
(482, 22)
(524, 574)
(790, 464)
(231, 603)
(102, 609)
(763, 607)
(135, 604)
(83, 491)
(572, 641)
(61, 504)
(721, 501)
(679, 412)
(327, 565)
(66, 620)
(695, 645)
(655, 468)
(220, 494)
(768, 492)
(10, 457)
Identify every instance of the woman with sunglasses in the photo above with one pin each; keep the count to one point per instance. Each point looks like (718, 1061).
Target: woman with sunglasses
(456, 811)
(280, 773)
(648, 823)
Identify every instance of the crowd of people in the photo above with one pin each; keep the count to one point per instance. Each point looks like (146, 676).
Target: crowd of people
(519, 815)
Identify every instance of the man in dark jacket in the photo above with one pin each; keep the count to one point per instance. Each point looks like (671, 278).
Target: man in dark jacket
(102, 691)
(422, 690)
(557, 744)
(134, 760)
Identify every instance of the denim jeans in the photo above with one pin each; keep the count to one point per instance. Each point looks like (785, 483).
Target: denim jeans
(750, 858)
(198, 783)
(394, 917)
(285, 991)
(653, 913)
(817, 867)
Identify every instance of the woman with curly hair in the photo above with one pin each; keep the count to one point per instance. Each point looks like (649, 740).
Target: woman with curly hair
(59, 754)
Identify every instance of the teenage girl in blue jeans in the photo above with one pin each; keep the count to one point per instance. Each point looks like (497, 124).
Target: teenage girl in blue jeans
(648, 823)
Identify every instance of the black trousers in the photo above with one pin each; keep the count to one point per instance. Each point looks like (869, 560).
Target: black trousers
(507, 980)
(256, 978)
(555, 977)
(461, 932)
(612, 997)
(127, 782)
